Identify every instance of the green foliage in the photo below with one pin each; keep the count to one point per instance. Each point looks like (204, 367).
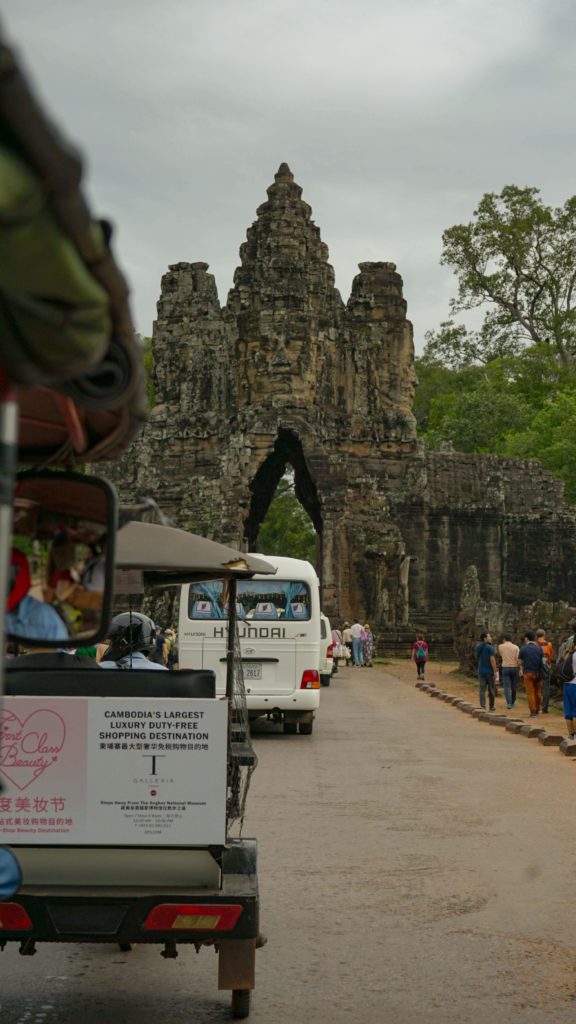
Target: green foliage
(286, 528)
(522, 406)
(517, 257)
(551, 438)
(508, 388)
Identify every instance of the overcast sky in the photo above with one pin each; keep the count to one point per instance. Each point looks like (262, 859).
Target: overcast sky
(394, 115)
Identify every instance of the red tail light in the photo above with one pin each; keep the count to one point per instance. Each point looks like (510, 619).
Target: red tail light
(200, 917)
(330, 651)
(310, 680)
(13, 918)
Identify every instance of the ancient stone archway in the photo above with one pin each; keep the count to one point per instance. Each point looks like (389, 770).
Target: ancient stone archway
(286, 372)
(287, 451)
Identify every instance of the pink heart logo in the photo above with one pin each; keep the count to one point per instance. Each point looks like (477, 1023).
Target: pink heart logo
(29, 746)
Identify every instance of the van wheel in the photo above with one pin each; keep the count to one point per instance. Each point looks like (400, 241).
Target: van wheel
(241, 1003)
(306, 728)
(290, 728)
(325, 680)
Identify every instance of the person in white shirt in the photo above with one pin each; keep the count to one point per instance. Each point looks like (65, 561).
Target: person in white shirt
(508, 652)
(357, 630)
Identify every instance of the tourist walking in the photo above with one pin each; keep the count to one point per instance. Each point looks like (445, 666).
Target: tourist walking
(159, 653)
(356, 631)
(420, 655)
(368, 645)
(487, 671)
(546, 670)
(530, 658)
(569, 692)
(508, 652)
(347, 637)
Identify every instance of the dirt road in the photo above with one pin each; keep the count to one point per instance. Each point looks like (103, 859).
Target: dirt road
(417, 867)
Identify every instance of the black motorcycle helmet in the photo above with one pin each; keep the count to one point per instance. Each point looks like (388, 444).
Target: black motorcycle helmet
(129, 632)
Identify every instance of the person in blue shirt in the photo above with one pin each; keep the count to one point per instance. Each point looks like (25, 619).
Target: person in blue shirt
(27, 617)
(486, 658)
(530, 660)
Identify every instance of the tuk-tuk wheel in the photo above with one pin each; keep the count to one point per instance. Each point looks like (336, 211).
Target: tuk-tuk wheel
(290, 727)
(305, 728)
(241, 1002)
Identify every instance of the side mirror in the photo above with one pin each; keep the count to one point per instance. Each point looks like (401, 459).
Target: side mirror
(62, 560)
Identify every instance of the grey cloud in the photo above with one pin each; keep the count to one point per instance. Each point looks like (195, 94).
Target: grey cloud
(394, 118)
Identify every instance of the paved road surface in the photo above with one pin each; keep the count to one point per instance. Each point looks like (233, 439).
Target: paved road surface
(417, 867)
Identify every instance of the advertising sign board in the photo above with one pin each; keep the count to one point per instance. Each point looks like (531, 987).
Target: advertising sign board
(96, 771)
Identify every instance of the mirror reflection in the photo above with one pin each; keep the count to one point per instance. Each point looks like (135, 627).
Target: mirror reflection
(58, 560)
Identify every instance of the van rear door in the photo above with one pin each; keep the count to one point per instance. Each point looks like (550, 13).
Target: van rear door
(269, 665)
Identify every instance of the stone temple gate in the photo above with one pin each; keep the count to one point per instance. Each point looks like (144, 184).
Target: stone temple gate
(286, 373)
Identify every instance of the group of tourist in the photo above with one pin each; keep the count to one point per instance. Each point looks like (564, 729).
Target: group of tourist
(531, 662)
(354, 643)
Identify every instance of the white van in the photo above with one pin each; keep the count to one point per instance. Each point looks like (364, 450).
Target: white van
(279, 629)
(326, 648)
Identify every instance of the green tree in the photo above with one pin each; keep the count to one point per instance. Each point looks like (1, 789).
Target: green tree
(286, 528)
(477, 420)
(551, 438)
(517, 257)
(479, 406)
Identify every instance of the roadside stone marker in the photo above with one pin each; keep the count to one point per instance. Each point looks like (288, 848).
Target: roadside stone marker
(551, 739)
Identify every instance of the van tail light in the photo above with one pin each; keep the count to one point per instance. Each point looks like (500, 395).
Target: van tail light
(310, 679)
(200, 917)
(330, 651)
(13, 918)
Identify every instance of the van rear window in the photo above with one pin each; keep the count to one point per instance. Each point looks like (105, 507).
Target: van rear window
(288, 600)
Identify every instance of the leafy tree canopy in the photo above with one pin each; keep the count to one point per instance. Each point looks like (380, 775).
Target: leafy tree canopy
(286, 528)
(517, 257)
(508, 388)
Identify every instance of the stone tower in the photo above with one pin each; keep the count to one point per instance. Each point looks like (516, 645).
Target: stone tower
(287, 374)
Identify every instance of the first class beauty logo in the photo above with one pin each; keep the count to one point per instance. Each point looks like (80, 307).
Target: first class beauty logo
(29, 746)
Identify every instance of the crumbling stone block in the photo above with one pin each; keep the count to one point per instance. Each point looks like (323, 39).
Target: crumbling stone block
(532, 731)
(550, 739)
(568, 747)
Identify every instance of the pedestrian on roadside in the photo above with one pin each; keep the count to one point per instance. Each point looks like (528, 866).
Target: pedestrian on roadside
(356, 631)
(569, 699)
(420, 655)
(368, 645)
(159, 654)
(347, 638)
(546, 670)
(487, 670)
(508, 652)
(173, 658)
(530, 658)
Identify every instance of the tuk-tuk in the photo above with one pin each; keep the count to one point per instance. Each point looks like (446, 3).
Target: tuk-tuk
(121, 786)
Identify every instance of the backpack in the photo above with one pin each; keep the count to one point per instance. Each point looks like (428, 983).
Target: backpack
(563, 669)
(545, 668)
(420, 652)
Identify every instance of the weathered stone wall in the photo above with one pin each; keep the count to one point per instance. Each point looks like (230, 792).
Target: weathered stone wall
(287, 374)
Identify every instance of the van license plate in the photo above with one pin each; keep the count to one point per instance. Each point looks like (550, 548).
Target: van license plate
(252, 671)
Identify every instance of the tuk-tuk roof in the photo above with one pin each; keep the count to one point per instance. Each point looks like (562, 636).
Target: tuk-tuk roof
(168, 555)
